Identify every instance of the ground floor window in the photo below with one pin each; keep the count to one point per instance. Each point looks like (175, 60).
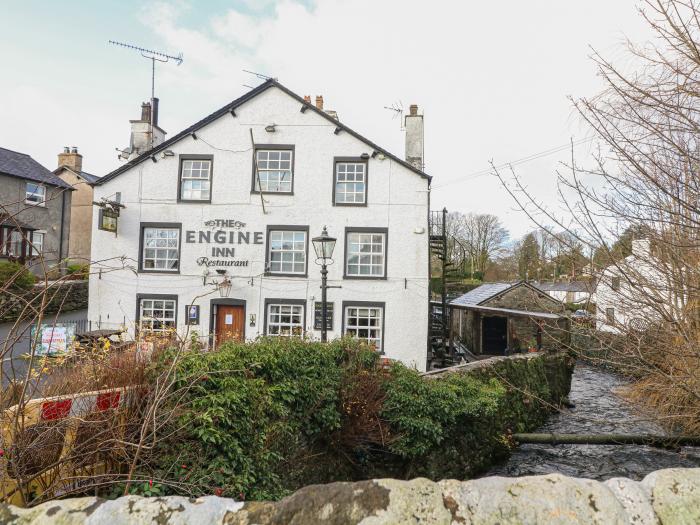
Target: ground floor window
(37, 243)
(366, 323)
(157, 314)
(285, 320)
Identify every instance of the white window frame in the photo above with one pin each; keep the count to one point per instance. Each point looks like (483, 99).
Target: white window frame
(157, 246)
(168, 321)
(352, 324)
(357, 256)
(299, 249)
(37, 248)
(265, 171)
(275, 313)
(188, 169)
(341, 168)
(28, 197)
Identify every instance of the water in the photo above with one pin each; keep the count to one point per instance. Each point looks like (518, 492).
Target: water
(598, 410)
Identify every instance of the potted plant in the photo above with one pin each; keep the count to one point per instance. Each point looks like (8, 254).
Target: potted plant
(532, 345)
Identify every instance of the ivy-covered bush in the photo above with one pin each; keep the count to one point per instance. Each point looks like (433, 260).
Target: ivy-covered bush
(15, 276)
(259, 420)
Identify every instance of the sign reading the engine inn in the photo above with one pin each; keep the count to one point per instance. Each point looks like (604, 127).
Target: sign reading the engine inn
(223, 237)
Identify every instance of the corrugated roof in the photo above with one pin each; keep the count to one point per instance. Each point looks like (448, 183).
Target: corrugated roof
(23, 166)
(228, 108)
(482, 293)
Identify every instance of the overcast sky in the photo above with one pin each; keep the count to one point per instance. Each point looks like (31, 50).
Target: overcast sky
(491, 77)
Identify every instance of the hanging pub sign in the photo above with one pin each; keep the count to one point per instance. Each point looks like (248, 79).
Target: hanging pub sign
(192, 314)
(108, 220)
(318, 314)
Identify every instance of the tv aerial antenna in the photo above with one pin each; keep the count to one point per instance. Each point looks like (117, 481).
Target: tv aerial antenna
(397, 109)
(153, 56)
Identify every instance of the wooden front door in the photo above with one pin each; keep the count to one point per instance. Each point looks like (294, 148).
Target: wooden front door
(230, 323)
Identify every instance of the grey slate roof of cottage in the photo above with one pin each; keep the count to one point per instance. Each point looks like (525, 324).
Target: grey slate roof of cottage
(575, 286)
(21, 165)
(88, 177)
(482, 293)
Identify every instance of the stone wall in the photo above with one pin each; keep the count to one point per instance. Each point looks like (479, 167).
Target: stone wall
(669, 496)
(65, 296)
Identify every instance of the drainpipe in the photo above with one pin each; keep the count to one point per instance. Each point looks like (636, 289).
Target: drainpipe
(60, 239)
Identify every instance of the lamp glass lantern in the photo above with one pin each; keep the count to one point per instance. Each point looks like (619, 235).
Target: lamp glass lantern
(225, 287)
(324, 245)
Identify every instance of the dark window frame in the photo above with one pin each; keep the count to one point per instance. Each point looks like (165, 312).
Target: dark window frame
(610, 315)
(281, 147)
(153, 296)
(357, 160)
(359, 229)
(615, 283)
(285, 227)
(366, 304)
(295, 302)
(169, 225)
(183, 157)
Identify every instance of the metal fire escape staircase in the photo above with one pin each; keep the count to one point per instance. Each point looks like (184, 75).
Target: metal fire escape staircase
(448, 259)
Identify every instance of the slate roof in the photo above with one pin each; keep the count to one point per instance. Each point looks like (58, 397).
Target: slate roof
(22, 166)
(89, 177)
(482, 293)
(231, 106)
(575, 286)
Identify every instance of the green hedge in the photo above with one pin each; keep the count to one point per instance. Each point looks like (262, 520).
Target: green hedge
(262, 419)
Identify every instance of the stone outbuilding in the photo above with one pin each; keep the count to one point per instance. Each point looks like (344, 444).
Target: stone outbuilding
(500, 318)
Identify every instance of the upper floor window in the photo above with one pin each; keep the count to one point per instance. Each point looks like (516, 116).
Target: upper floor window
(615, 283)
(350, 183)
(160, 248)
(287, 251)
(274, 170)
(35, 194)
(365, 253)
(195, 179)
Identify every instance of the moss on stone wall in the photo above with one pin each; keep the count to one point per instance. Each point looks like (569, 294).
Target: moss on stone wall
(65, 296)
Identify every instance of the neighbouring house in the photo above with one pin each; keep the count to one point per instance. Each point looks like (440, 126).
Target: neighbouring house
(636, 291)
(498, 317)
(216, 226)
(70, 171)
(35, 212)
(573, 292)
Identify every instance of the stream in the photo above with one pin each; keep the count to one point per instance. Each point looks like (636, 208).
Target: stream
(597, 410)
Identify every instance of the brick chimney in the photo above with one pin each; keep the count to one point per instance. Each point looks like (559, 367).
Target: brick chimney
(70, 158)
(319, 102)
(414, 137)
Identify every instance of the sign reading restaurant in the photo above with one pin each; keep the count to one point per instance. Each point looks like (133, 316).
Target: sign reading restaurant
(224, 235)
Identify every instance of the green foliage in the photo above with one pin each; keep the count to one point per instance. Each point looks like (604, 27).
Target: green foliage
(81, 271)
(17, 276)
(424, 412)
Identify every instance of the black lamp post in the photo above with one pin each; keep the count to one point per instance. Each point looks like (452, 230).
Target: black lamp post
(323, 246)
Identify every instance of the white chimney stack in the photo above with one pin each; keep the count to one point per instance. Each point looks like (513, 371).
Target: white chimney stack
(145, 133)
(414, 138)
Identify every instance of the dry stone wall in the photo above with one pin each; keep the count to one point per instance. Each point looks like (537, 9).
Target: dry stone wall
(664, 497)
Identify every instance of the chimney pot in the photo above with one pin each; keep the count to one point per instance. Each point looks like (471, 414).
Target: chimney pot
(319, 102)
(146, 112)
(307, 99)
(74, 149)
(413, 110)
(66, 149)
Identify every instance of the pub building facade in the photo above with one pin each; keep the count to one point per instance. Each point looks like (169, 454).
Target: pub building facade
(210, 231)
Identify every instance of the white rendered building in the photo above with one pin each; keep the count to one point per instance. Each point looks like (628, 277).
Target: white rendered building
(193, 217)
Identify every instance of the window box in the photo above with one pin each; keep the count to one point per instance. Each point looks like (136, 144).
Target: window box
(365, 253)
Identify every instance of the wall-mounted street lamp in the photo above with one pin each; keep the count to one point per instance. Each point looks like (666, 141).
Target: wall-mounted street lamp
(225, 287)
(324, 245)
